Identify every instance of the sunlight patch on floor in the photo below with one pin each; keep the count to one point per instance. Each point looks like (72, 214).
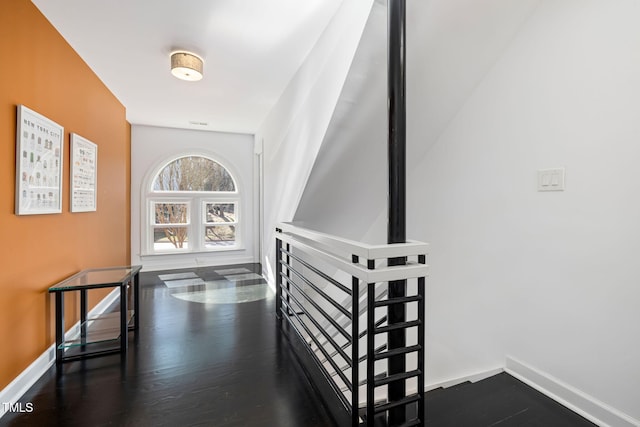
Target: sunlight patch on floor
(226, 295)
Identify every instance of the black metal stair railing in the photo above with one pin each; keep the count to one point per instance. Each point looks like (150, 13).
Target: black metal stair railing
(332, 303)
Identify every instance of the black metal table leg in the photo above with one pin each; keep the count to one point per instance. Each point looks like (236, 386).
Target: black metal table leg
(123, 318)
(59, 328)
(83, 316)
(136, 301)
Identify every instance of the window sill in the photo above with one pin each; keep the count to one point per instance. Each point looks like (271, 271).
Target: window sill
(187, 253)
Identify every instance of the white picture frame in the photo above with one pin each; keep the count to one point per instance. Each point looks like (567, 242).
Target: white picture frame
(83, 175)
(39, 160)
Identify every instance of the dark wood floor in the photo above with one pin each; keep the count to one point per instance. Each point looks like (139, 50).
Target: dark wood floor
(501, 401)
(226, 365)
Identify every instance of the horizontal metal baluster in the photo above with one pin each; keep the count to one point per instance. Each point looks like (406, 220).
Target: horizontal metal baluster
(333, 385)
(331, 362)
(319, 273)
(315, 305)
(322, 293)
(322, 331)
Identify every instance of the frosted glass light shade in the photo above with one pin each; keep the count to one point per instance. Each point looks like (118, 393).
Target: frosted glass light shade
(186, 66)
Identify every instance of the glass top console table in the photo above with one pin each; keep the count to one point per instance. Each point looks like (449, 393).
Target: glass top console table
(103, 334)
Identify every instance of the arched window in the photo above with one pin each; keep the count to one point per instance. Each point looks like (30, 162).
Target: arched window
(194, 174)
(193, 206)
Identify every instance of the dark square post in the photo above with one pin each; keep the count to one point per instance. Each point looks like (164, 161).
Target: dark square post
(396, 232)
(355, 348)
(278, 277)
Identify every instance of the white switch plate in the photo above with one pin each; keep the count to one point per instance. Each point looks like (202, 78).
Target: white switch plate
(551, 179)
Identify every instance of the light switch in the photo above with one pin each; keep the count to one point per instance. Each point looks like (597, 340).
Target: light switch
(551, 180)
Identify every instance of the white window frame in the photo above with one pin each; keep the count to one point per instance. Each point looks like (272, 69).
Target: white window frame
(205, 224)
(196, 201)
(153, 226)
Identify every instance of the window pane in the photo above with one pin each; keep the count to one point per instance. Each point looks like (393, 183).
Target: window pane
(171, 213)
(219, 236)
(194, 174)
(170, 239)
(219, 213)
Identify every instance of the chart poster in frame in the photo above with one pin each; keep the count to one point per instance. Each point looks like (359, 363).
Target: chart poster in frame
(39, 158)
(84, 174)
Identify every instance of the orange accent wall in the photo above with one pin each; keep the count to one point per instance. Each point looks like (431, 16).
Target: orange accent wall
(40, 70)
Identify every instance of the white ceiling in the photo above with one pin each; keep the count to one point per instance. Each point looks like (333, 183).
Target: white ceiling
(251, 49)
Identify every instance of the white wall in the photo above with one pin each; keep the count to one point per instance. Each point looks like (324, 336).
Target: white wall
(153, 146)
(547, 279)
(348, 183)
(294, 130)
(451, 46)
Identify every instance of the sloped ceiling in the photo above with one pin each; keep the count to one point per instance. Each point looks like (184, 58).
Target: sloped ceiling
(451, 45)
(251, 50)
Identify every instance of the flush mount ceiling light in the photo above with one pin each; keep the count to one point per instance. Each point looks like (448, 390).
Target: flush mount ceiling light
(186, 66)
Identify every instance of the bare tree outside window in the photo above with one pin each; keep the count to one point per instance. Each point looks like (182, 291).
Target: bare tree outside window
(217, 215)
(172, 214)
(194, 174)
(188, 174)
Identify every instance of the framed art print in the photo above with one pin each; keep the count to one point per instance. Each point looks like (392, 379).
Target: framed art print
(39, 158)
(84, 174)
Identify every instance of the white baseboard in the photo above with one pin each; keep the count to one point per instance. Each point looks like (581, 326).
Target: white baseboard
(568, 396)
(12, 393)
(587, 406)
(23, 382)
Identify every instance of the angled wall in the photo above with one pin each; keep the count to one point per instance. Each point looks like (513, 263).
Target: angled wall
(542, 283)
(40, 70)
(349, 176)
(451, 45)
(291, 135)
